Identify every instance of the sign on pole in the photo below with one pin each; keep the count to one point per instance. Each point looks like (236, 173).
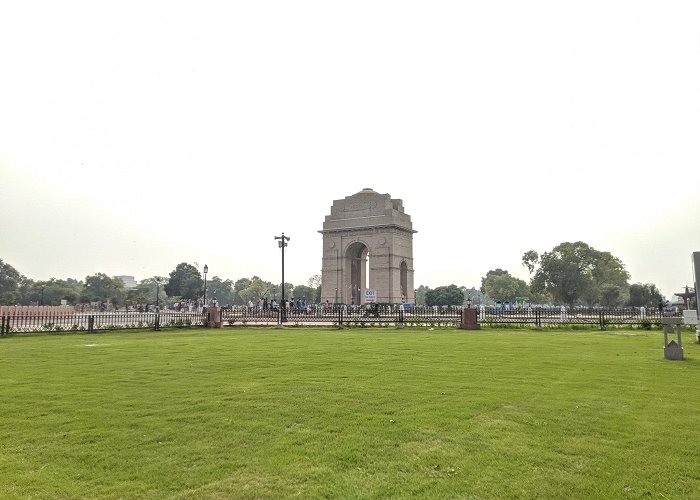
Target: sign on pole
(370, 296)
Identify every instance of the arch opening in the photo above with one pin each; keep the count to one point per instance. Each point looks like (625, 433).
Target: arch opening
(403, 272)
(357, 256)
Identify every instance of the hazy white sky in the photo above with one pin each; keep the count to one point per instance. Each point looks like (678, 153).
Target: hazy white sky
(136, 135)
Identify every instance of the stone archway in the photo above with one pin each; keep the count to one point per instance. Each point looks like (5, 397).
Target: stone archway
(367, 245)
(355, 261)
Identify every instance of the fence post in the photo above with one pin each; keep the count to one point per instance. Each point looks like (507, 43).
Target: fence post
(340, 317)
(91, 323)
(601, 321)
(2, 329)
(157, 323)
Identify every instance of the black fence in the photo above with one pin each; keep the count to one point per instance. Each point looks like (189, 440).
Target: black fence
(539, 317)
(446, 316)
(91, 322)
(341, 316)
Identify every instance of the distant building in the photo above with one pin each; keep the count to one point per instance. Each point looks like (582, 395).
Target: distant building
(129, 281)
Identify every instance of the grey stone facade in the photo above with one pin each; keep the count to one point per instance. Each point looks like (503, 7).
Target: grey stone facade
(367, 244)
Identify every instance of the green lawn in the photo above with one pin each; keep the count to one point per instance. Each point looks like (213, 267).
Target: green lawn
(264, 413)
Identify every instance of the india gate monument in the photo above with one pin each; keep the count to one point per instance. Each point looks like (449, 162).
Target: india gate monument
(367, 251)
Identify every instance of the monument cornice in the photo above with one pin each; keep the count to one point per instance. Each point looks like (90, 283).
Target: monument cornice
(365, 228)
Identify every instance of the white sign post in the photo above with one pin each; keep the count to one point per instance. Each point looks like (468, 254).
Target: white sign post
(370, 296)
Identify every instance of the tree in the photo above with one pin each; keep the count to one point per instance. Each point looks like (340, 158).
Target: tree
(315, 283)
(644, 294)
(576, 272)
(301, 291)
(493, 272)
(501, 286)
(449, 295)
(421, 291)
(145, 292)
(610, 284)
(51, 292)
(239, 286)
(101, 288)
(477, 297)
(255, 291)
(186, 282)
(9, 284)
(221, 289)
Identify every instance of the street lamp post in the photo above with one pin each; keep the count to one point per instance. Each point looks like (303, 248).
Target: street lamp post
(206, 270)
(157, 294)
(283, 312)
(41, 303)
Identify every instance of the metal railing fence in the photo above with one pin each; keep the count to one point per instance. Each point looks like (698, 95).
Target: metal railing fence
(534, 316)
(537, 317)
(90, 322)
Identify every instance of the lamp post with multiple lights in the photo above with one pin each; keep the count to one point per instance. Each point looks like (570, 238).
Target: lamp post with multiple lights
(206, 270)
(283, 312)
(157, 293)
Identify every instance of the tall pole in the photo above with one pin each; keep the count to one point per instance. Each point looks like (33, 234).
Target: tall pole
(157, 293)
(206, 270)
(283, 312)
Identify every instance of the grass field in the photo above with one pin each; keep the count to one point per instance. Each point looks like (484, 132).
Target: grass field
(264, 413)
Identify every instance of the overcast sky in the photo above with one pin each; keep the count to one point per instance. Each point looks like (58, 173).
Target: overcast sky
(136, 135)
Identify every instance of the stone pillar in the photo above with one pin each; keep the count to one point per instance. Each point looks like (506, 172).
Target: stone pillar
(468, 321)
(214, 317)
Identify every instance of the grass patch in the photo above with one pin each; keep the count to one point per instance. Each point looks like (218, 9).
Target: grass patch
(253, 413)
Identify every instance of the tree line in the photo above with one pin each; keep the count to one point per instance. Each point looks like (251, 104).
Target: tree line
(184, 283)
(571, 273)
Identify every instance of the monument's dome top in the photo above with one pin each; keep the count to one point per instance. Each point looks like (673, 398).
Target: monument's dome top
(368, 190)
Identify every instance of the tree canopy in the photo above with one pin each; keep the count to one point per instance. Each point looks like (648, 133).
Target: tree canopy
(145, 291)
(9, 283)
(301, 291)
(255, 291)
(578, 273)
(501, 286)
(102, 288)
(185, 281)
(221, 289)
(645, 294)
(449, 295)
(51, 292)
(421, 291)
